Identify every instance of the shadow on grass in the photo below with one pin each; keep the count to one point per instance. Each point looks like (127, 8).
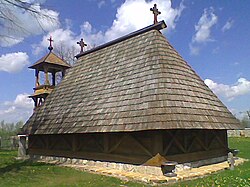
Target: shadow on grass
(18, 165)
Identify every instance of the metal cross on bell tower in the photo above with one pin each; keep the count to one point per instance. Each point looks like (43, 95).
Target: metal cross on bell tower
(50, 43)
(156, 12)
(82, 45)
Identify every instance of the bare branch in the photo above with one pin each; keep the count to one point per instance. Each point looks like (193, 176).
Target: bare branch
(11, 25)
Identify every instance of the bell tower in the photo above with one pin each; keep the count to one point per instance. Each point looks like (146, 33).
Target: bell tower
(49, 65)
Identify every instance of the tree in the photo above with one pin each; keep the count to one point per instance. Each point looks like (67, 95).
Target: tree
(248, 114)
(9, 129)
(66, 53)
(12, 21)
(245, 121)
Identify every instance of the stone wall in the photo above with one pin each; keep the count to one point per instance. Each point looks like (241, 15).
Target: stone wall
(239, 133)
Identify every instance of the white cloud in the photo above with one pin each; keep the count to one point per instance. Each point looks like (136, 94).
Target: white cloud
(25, 23)
(135, 14)
(228, 25)
(194, 50)
(241, 87)
(101, 4)
(131, 15)
(65, 39)
(19, 109)
(13, 62)
(203, 29)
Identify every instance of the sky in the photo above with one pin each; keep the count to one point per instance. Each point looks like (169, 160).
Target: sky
(212, 36)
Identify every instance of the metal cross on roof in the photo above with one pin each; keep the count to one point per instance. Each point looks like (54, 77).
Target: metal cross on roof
(82, 45)
(156, 12)
(50, 43)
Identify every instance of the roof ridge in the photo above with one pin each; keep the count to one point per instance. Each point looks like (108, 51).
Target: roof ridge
(158, 26)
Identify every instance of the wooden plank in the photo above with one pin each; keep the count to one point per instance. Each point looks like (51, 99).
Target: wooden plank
(31, 142)
(218, 137)
(201, 155)
(158, 143)
(96, 138)
(132, 159)
(68, 143)
(43, 141)
(47, 141)
(74, 142)
(140, 144)
(116, 145)
(166, 149)
(105, 143)
(53, 142)
(202, 144)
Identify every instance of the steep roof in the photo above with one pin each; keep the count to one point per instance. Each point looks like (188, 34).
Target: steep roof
(52, 59)
(137, 83)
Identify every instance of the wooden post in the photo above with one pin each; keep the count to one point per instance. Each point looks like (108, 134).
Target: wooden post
(63, 73)
(37, 78)
(46, 76)
(53, 78)
(22, 146)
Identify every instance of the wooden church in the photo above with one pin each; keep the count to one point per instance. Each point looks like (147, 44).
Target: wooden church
(129, 100)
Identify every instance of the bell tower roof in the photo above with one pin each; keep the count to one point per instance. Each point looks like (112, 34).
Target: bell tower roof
(49, 64)
(52, 60)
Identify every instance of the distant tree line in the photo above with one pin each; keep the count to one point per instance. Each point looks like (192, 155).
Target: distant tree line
(245, 121)
(9, 129)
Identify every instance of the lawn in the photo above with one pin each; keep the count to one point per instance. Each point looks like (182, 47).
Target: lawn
(238, 177)
(24, 173)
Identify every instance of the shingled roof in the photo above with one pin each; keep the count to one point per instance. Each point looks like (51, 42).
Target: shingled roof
(51, 59)
(138, 82)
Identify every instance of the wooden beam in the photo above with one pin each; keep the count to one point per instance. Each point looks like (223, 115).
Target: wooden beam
(95, 138)
(140, 144)
(117, 144)
(133, 159)
(174, 139)
(191, 144)
(196, 156)
(166, 149)
(65, 140)
(105, 143)
(74, 142)
(47, 142)
(217, 136)
(53, 142)
(158, 143)
(201, 143)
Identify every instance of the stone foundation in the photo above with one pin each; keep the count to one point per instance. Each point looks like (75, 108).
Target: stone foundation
(147, 174)
(149, 170)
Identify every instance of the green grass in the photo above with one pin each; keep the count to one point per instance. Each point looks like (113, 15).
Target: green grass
(236, 178)
(25, 173)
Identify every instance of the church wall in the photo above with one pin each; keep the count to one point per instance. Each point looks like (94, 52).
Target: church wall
(133, 147)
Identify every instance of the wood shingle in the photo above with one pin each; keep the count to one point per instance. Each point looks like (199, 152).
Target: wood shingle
(138, 82)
